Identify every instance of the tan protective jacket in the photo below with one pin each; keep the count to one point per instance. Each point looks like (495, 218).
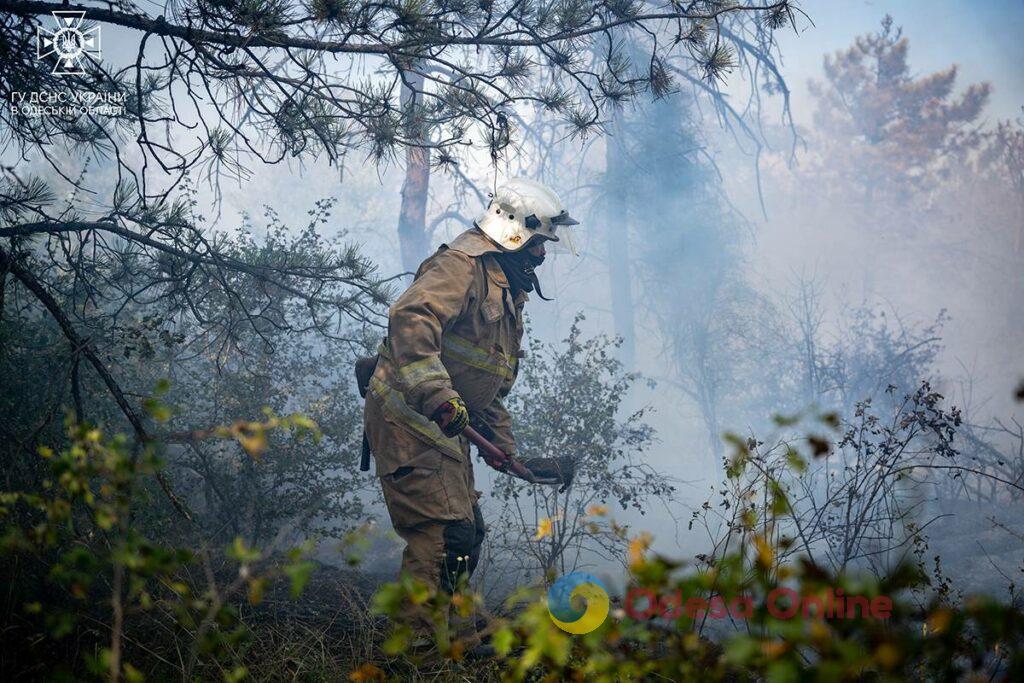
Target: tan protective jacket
(455, 332)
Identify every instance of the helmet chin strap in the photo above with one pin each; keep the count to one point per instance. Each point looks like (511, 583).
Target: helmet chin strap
(536, 285)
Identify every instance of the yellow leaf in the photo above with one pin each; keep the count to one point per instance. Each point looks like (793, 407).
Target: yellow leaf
(256, 587)
(253, 443)
(888, 655)
(303, 421)
(544, 528)
(597, 510)
(765, 554)
(502, 641)
(819, 631)
(638, 548)
(939, 620)
(773, 649)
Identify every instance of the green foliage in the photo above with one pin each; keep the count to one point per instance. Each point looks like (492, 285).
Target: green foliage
(570, 400)
(76, 558)
(982, 638)
(270, 480)
(846, 493)
(265, 331)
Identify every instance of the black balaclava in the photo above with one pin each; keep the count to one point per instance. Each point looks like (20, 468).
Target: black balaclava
(519, 267)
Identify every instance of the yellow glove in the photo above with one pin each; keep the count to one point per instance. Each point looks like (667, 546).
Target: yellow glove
(452, 416)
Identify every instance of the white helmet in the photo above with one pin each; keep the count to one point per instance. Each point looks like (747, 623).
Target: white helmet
(520, 209)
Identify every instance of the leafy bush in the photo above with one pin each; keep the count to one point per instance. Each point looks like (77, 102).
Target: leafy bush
(569, 401)
(90, 593)
(645, 639)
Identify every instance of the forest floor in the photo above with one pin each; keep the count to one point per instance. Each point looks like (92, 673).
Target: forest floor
(329, 631)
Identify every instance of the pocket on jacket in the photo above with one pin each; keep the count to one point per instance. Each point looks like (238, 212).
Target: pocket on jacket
(410, 435)
(491, 311)
(415, 492)
(431, 487)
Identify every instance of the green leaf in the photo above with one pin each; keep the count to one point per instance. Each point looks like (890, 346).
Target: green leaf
(397, 642)
(782, 671)
(299, 573)
(131, 674)
(388, 600)
(60, 624)
(741, 650)
(502, 641)
(795, 462)
(237, 674)
(240, 552)
(157, 410)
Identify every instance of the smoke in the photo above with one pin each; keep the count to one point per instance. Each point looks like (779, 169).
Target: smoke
(725, 297)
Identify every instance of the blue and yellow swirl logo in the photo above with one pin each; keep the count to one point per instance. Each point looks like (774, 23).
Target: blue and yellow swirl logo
(583, 587)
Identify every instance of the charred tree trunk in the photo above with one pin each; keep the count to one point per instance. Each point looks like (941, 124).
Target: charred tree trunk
(412, 219)
(617, 241)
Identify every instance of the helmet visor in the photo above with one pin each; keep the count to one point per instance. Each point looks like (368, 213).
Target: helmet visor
(555, 229)
(564, 219)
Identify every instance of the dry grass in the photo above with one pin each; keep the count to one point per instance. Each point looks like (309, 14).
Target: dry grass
(329, 632)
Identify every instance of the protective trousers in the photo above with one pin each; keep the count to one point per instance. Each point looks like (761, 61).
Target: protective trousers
(433, 508)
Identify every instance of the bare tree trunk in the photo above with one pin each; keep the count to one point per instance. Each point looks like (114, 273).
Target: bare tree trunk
(617, 241)
(412, 220)
(706, 394)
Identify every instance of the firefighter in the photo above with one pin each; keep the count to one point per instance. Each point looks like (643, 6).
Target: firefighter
(451, 354)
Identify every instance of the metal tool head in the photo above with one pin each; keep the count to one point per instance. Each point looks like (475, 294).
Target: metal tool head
(556, 471)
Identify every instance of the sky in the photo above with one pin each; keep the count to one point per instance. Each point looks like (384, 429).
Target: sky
(984, 38)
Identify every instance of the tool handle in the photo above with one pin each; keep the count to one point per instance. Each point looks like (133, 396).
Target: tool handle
(496, 457)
